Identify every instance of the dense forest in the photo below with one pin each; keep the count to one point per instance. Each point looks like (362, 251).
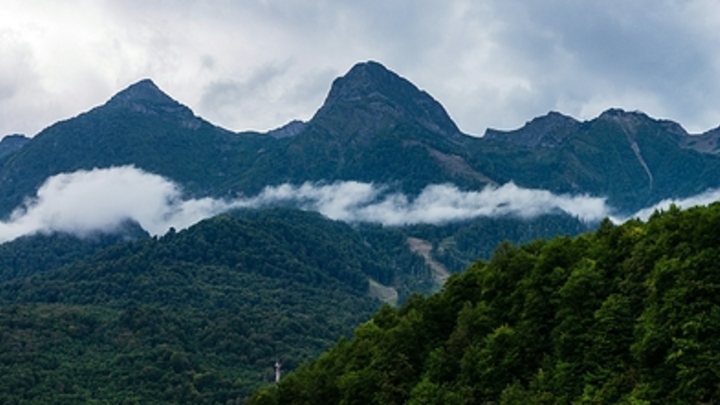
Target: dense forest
(627, 314)
(225, 299)
(198, 316)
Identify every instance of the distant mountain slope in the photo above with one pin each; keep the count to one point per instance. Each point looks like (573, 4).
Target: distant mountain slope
(706, 142)
(550, 130)
(374, 126)
(370, 98)
(629, 157)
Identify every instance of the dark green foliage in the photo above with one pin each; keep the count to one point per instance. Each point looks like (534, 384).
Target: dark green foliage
(458, 245)
(198, 316)
(28, 255)
(629, 314)
(225, 299)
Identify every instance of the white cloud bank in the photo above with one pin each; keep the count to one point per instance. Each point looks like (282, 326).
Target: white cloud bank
(84, 202)
(362, 202)
(708, 197)
(101, 200)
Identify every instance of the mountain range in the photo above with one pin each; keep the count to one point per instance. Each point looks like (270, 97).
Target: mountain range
(199, 315)
(374, 126)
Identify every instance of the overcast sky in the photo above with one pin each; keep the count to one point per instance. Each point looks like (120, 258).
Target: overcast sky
(256, 64)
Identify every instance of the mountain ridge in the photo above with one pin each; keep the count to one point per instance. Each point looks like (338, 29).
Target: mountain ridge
(376, 127)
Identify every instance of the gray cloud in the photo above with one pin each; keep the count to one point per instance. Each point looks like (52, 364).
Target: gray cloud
(362, 202)
(224, 99)
(705, 198)
(101, 200)
(645, 55)
(84, 202)
(259, 64)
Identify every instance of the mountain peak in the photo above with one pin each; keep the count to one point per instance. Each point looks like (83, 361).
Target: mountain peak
(372, 97)
(364, 78)
(548, 130)
(632, 121)
(616, 114)
(146, 98)
(143, 91)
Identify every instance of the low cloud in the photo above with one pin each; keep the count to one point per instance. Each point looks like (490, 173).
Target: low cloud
(706, 198)
(101, 200)
(84, 202)
(362, 202)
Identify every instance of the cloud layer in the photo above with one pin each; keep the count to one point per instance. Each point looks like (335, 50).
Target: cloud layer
(101, 200)
(362, 202)
(705, 198)
(84, 202)
(259, 64)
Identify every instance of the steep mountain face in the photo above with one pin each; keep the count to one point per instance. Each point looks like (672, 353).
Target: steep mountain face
(141, 126)
(374, 126)
(145, 98)
(370, 98)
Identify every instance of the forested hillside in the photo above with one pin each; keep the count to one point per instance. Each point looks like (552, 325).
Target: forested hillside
(225, 299)
(628, 314)
(33, 254)
(198, 316)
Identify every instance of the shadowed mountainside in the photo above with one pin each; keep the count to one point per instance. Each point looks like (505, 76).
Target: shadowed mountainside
(374, 126)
